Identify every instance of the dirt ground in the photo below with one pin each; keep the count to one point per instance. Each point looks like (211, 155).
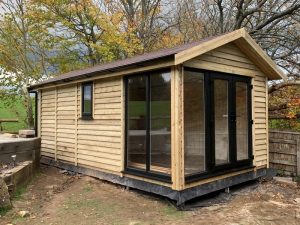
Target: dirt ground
(56, 198)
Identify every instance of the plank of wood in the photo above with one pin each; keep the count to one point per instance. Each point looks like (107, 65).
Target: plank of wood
(108, 106)
(76, 125)
(67, 94)
(115, 155)
(116, 94)
(55, 125)
(107, 117)
(65, 140)
(229, 55)
(298, 157)
(267, 122)
(109, 89)
(102, 111)
(111, 149)
(99, 138)
(200, 64)
(106, 100)
(84, 163)
(112, 122)
(101, 158)
(99, 127)
(177, 135)
(228, 62)
(65, 153)
(101, 133)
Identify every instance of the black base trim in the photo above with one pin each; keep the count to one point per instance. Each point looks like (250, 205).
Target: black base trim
(179, 196)
(150, 175)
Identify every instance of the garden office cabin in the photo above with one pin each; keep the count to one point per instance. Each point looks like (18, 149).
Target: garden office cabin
(179, 122)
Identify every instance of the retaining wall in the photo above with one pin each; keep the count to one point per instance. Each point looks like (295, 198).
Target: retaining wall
(24, 149)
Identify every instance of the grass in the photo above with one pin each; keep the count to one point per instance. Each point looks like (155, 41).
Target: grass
(172, 212)
(18, 194)
(16, 111)
(160, 113)
(87, 189)
(4, 210)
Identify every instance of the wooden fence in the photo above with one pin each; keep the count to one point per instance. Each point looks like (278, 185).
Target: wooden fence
(285, 151)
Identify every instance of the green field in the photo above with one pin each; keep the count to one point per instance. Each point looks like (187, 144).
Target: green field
(17, 111)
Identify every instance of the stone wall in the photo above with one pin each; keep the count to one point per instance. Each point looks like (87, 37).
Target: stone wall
(285, 151)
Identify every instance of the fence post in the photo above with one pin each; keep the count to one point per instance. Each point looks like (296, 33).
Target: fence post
(298, 156)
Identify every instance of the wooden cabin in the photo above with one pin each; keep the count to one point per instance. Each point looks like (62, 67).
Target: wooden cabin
(180, 122)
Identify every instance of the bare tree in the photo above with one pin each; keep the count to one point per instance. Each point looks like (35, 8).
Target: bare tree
(275, 25)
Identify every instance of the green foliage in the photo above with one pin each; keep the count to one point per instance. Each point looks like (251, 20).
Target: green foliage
(285, 124)
(13, 109)
(18, 194)
(172, 212)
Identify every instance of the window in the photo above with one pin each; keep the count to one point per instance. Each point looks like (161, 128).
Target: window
(148, 124)
(194, 122)
(87, 101)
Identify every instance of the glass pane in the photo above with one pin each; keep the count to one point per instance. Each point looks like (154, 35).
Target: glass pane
(136, 112)
(194, 122)
(87, 99)
(241, 121)
(160, 133)
(221, 121)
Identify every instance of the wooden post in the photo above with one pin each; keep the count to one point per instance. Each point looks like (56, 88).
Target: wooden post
(267, 123)
(55, 125)
(122, 168)
(39, 111)
(177, 134)
(253, 118)
(298, 156)
(76, 124)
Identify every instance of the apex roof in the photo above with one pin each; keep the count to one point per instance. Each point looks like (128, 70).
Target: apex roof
(179, 55)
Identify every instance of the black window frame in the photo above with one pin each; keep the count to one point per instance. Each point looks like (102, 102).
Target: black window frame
(234, 165)
(147, 173)
(85, 115)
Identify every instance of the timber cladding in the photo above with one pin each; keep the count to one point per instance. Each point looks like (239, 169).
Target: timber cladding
(90, 143)
(285, 151)
(230, 59)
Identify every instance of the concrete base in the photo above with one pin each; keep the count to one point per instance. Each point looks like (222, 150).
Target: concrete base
(179, 196)
(24, 148)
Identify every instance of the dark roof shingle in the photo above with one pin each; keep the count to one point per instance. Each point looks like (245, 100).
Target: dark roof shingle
(119, 64)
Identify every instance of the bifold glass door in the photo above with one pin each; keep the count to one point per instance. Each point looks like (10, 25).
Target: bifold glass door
(217, 122)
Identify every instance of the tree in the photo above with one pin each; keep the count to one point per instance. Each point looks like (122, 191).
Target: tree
(275, 25)
(88, 29)
(149, 21)
(22, 58)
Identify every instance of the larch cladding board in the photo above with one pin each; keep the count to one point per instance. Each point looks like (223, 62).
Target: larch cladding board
(47, 126)
(230, 59)
(90, 143)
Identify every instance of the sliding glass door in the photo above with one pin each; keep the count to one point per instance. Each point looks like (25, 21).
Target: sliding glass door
(217, 122)
(148, 124)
